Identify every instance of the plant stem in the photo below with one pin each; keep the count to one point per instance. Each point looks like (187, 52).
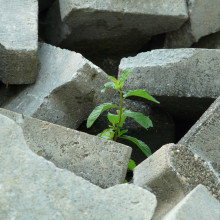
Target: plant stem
(120, 115)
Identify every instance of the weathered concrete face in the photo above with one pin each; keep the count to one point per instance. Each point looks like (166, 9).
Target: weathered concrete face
(113, 26)
(48, 192)
(171, 173)
(204, 19)
(104, 163)
(66, 91)
(184, 80)
(18, 41)
(198, 204)
(203, 138)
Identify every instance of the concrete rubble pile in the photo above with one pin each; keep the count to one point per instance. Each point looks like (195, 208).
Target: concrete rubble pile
(49, 86)
(204, 19)
(111, 26)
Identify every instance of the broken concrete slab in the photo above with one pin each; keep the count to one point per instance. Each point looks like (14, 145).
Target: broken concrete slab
(111, 27)
(198, 204)
(204, 19)
(103, 163)
(203, 138)
(186, 81)
(48, 192)
(171, 173)
(67, 89)
(18, 41)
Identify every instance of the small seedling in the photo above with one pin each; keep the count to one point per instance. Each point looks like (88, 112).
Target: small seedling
(117, 120)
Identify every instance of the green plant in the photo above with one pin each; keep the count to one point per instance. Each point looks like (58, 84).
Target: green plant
(117, 120)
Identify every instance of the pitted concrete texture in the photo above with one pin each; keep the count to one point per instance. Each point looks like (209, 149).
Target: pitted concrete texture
(185, 81)
(171, 173)
(198, 204)
(204, 137)
(33, 188)
(113, 26)
(67, 89)
(204, 19)
(18, 41)
(102, 162)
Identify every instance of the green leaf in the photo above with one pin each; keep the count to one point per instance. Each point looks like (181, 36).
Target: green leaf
(146, 150)
(125, 181)
(125, 75)
(113, 79)
(114, 119)
(107, 85)
(140, 93)
(97, 111)
(122, 132)
(139, 118)
(107, 134)
(123, 117)
(131, 165)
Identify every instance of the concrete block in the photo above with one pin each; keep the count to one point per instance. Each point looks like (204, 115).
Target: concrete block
(186, 81)
(203, 138)
(102, 162)
(112, 26)
(33, 188)
(67, 89)
(171, 173)
(18, 41)
(198, 204)
(204, 19)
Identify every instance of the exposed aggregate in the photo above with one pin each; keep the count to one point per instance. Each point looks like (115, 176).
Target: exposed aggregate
(192, 170)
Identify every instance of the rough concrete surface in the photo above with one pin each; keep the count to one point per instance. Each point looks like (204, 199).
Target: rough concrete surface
(112, 26)
(18, 41)
(204, 19)
(198, 204)
(102, 162)
(185, 81)
(204, 137)
(33, 188)
(67, 89)
(171, 173)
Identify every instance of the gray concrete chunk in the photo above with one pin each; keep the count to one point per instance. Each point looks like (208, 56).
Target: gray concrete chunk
(171, 173)
(112, 26)
(67, 89)
(102, 162)
(18, 41)
(33, 188)
(204, 137)
(198, 204)
(184, 80)
(204, 19)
